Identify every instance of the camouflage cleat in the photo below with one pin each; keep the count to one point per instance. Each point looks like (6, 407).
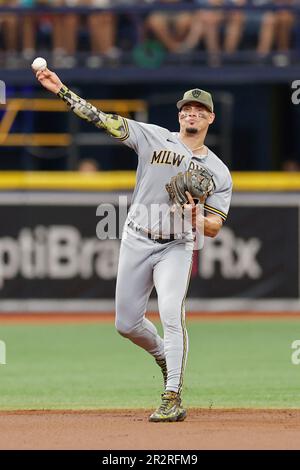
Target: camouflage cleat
(163, 365)
(170, 409)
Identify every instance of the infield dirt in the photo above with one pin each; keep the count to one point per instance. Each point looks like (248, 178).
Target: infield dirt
(129, 429)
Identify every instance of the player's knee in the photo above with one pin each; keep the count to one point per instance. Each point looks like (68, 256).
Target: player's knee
(122, 321)
(172, 327)
(123, 328)
(171, 319)
(169, 305)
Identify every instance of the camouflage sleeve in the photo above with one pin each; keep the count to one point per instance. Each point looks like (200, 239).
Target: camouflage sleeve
(113, 124)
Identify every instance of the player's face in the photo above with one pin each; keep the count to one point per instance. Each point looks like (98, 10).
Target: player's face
(194, 117)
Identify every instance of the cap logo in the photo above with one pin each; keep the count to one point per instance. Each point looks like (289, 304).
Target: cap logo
(196, 93)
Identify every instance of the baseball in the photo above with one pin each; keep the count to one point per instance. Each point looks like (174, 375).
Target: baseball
(39, 64)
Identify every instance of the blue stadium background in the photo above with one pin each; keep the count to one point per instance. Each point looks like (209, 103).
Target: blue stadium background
(257, 123)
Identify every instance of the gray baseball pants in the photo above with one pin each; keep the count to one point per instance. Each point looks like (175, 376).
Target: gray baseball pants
(145, 263)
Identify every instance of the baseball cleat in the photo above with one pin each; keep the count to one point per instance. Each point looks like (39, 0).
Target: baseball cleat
(170, 409)
(163, 365)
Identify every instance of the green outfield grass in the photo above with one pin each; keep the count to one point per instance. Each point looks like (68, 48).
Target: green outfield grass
(231, 364)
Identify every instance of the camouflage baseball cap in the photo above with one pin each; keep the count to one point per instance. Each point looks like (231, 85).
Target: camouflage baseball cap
(200, 96)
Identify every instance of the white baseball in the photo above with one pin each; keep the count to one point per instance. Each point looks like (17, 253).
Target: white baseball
(39, 64)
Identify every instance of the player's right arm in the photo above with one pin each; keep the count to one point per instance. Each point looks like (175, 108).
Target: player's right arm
(112, 123)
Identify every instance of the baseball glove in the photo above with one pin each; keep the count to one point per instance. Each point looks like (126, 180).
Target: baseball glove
(198, 182)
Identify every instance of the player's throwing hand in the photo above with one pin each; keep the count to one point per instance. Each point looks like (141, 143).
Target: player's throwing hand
(49, 80)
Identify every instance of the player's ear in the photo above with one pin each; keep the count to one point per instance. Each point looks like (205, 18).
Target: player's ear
(211, 118)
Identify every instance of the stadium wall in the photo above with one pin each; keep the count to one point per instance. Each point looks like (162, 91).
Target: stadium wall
(52, 260)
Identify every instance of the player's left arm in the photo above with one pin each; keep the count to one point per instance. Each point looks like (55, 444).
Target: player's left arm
(211, 223)
(216, 206)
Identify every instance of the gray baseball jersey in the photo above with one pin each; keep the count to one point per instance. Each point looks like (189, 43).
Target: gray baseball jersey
(161, 156)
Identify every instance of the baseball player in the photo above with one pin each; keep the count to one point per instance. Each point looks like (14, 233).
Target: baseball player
(152, 253)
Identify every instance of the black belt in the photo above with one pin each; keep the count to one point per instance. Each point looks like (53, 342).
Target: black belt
(161, 240)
